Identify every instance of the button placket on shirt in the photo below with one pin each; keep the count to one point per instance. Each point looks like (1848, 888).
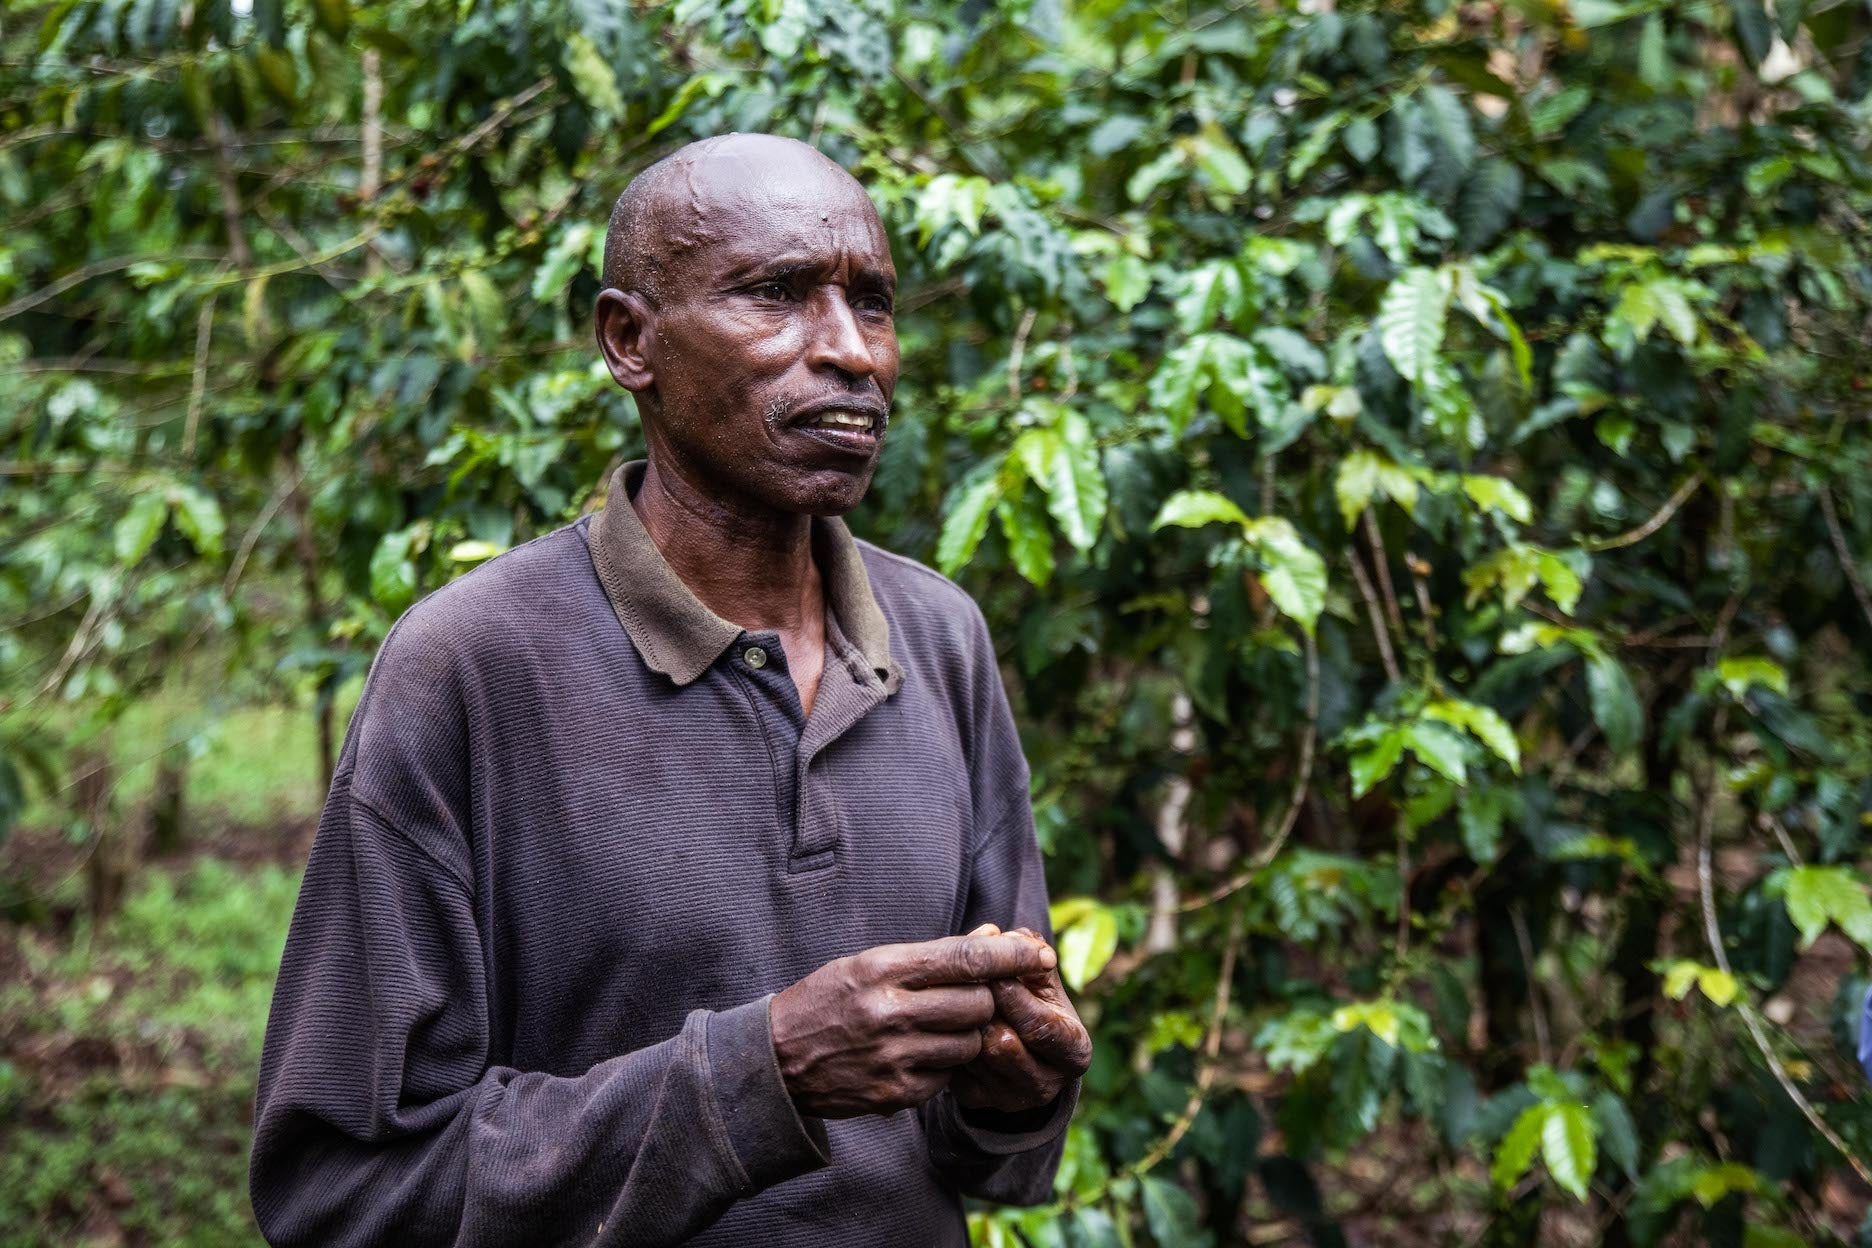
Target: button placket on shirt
(845, 695)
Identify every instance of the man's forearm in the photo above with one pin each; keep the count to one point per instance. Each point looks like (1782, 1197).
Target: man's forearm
(647, 1148)
(1009, 1159)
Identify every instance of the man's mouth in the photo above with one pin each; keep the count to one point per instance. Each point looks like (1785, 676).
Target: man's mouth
(849, 428)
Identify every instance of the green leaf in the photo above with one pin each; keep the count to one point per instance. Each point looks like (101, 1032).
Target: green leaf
(1295, 575)
(1171, 1214)
(1499, 494)
(1517, 569)
(593, 79)
(1516, 1151)
(1551, 115)
(1738, 674)
(1074, 481)
(1449, 123)
(1567, 1146)
(1219, 160)
(199, 517)
(1086, 946)
(710, 84)
(1411, 322)
(1127, 281)
(1438, 749)
(1210, 291)
(965, 520)
(1617, 1133)
(1484, 722)
(1615, 705)
(1361, 140)
(1490, 199)
(393, 572)
(1191, 509)
(1376, 761)
(1030, 542)
(137, 529)
(569, 253)
(1815, 895)
(1712, 1183)
(1718, 985)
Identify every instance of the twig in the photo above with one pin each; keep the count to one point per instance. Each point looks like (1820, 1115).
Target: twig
(1712, 931)
(1542, 1043)
(198, 379)
(1066, 364)
(1381, 561)
(252, 538)
(1657, 521)
(80, 638)
(98, 268)
(1302, 778)
(1417, 570)
(370, 177)
(1161, 936)
(1371, 608)
(238, 250)
(1781, 835)
(1212, 1048)
(1845, 556)
(1019, 349)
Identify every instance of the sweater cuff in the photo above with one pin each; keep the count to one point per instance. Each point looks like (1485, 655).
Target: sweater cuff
(1002, 1135)
(771, 1139)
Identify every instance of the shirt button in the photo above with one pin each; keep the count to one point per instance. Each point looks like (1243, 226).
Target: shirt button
(754, 656)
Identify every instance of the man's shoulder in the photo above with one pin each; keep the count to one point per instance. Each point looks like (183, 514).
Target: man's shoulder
(925, 608)
(536, 585)
(900, 581)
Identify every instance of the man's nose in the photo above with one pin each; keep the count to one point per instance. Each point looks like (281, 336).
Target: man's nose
(838, 340)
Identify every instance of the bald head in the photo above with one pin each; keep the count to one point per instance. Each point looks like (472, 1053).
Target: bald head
(693, 197)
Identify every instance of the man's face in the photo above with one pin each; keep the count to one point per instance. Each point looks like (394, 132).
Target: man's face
(771, 351)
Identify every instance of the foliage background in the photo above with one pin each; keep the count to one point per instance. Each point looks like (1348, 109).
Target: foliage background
(1415, 458)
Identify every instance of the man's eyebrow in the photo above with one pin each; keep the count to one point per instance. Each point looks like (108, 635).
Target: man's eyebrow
(789, 264)
(870, 279)
(784, 265)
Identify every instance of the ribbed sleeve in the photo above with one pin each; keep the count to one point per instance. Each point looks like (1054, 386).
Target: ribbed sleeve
(380, 1118)
(1007, 887)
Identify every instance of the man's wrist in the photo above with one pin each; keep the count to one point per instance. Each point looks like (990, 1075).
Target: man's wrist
(1009, 1121)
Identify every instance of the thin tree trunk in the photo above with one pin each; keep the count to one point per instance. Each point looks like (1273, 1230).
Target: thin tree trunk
(1173, 833)
(307, 549)
(166, 803)
(107, 871)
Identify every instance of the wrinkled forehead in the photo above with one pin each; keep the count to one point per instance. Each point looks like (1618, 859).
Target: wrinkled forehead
(741, 201)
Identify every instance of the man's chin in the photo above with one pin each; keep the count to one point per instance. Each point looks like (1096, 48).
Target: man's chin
(827, 492)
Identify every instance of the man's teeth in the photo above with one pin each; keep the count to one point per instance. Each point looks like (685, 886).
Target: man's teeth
(843, 420)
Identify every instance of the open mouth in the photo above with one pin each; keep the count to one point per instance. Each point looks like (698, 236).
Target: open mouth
(848, 428)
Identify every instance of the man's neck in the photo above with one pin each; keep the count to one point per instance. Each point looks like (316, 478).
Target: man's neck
(751, 566)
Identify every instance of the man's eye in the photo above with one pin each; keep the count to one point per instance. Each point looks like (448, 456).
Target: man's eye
(771, 290)
(875, 303)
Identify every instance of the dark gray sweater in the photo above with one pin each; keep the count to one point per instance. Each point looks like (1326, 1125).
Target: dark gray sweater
(561, 871)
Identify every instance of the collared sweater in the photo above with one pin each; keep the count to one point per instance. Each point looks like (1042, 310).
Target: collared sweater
(579, 833)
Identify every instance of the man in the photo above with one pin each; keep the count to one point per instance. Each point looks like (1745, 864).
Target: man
(632, 913)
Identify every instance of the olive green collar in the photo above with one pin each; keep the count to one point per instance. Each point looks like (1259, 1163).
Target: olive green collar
(680, 637)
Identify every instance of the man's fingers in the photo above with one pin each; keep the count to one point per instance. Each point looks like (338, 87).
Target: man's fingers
(1001, 1044)
(947, 1048)
(987, 929)
(961, 1007)
(975, 960)
(1047, 1031)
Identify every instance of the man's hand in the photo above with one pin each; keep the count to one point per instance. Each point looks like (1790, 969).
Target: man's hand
(881, 1030)
(1035, 1046)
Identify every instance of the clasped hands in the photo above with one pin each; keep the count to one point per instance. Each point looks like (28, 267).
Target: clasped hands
(983, 1014)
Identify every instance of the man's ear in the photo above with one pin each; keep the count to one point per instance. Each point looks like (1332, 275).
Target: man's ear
(624, 323)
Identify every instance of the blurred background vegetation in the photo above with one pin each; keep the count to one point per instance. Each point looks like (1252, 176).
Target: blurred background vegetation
(1415, 459)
